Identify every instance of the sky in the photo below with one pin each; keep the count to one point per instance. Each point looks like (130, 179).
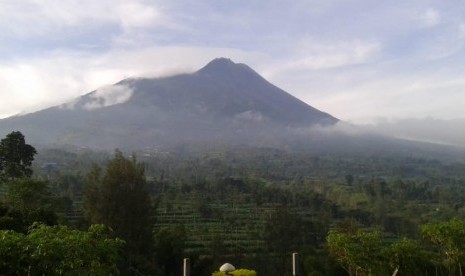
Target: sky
(362, 61)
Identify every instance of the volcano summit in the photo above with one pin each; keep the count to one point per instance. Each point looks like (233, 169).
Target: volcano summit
(223, 102)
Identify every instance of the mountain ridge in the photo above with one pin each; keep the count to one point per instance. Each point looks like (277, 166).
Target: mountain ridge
(220, 101)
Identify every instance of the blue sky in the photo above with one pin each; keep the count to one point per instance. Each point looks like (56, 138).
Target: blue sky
(362, 61)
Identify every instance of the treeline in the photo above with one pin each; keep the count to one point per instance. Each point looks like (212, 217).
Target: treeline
(32, 240)
(440, 250)
(251, 207)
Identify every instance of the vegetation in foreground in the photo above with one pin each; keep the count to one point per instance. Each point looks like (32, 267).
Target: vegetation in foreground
(83, 212)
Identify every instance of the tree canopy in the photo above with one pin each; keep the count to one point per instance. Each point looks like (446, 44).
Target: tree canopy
(449, 240)
(119, 199)
(15, 156)
(59, 250)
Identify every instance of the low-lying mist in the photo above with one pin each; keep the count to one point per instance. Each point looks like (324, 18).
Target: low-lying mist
(449, 132)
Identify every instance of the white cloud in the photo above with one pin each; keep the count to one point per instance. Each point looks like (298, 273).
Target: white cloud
(137, 15)
(423, 129)
(250, 115)
(27, 87)
(395, 96)
(340, 54)
(35, 83)
(108, 96)
(37, 18)
(462, 30)
(27, 18)
(354, 59)
(431, 17)
(310, 54)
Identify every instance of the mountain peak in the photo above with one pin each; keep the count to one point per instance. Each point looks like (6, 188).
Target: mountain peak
(222, 65)
(220, 102)
(221, 61)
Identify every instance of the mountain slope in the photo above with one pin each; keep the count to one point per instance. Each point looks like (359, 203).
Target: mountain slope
(225, 89)
(223, 102)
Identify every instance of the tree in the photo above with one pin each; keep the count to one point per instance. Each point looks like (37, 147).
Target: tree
(349, 179)
(366, 253)
(119, 198)
(407, 257)
(28, 194)
(59, 250)
(358, 253)
(449, 239)
(15, 156)
(27, 201)
(284, 234)
(169, 248)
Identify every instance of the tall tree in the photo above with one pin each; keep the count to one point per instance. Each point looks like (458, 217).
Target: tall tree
(169, 249)
(359, 253)
(27, 201)
(15, 156)
(284, 233)
(28, 194)
(449, 238)
(408, 257)
(119, 198)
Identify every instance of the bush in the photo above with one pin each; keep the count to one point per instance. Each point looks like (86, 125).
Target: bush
(58, 250)
(237, 272)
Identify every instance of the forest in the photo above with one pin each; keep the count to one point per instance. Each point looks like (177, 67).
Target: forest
(78, 211)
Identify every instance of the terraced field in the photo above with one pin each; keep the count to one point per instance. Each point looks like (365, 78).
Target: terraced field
(236, 227)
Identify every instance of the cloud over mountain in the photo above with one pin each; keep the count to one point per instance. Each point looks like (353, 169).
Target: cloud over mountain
(223, 102)
(108, 96)
(333, 53)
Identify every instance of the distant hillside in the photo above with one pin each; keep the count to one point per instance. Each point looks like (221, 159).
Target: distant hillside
(224, 102)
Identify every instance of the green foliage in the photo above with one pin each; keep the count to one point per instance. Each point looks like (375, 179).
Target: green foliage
(449, 240)
(59, 250)
(15, 156)
(93, 205)
(27, 201)
(169, 248)
(283, 234)
(282, 231)
(237, 272)
(359, 253)
(408, 257)
(12, 257)
(368, 253)
(118, 198)
(28, 194)
(349, 179)
(227, 199)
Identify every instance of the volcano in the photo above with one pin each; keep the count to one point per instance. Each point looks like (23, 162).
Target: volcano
(223, 102)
